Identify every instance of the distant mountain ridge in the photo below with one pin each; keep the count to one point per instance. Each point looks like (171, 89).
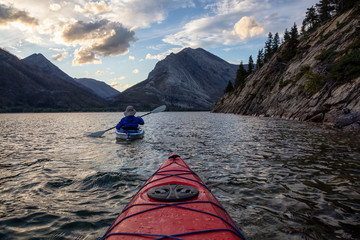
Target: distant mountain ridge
(99, 88)
(26, 87)
(190, 79)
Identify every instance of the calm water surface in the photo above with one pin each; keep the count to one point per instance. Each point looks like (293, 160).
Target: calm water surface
(278, 179)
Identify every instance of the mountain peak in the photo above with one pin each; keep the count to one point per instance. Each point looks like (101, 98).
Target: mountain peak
(37, 57)
(190, 50)
(190, 79)
(44, 64)
(41, 61)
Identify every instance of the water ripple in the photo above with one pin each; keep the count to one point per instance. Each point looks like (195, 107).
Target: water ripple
(278, 179)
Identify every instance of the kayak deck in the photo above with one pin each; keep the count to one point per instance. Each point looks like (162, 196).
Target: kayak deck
(174, 204)
(129, 134)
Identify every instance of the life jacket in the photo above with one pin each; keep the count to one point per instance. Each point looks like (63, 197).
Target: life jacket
(130, 123)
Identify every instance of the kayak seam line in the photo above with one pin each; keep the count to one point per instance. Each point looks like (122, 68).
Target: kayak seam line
(174, 162)
(176, 175)
(173, 236)
(203, 231)
(140, 234)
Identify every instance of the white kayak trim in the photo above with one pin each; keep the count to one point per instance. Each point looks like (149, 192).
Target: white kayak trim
(129, 134)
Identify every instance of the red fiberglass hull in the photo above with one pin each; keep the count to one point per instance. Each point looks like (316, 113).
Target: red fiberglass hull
(157, 211)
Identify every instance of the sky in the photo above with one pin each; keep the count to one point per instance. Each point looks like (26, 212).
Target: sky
(120, 41)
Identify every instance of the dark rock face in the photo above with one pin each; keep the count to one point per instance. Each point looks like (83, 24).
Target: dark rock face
(191, 79)
(286, 89)
(347, 120)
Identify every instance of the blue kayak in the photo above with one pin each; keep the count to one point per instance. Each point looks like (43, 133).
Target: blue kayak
(122, 134)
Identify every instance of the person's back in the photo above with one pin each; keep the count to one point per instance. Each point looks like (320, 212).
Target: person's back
(130, 122)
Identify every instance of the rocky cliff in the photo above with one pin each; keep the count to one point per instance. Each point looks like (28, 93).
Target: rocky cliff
(321, 83)
(190, 79)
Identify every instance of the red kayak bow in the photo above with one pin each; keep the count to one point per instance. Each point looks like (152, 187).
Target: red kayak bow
(174, 204)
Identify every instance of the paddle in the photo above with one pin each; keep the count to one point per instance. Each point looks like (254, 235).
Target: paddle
(156, 110)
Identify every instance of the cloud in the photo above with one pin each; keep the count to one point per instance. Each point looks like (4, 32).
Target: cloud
(97, 7)
(247, 27)
(85, 56)
(223, 28)
(114, 84)
(98, 72)
(55, 7)
(57, 49)
(143, 13)
(103, 38)
(155, 57)
(10, 14)
(131, 58)
(90, 26)
(124, 87)
(135, 71)
(83, 31)
(228, 7)
(203, 32)
(60, 56)
(163, 55)
(221, 25)
(117, 43)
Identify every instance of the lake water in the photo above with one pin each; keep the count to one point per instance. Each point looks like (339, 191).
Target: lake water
(278, 179)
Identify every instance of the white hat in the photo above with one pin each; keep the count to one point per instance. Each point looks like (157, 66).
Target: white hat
(130, 111)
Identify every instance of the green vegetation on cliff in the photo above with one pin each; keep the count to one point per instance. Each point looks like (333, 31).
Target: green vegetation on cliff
(313, 74)
(340, 66)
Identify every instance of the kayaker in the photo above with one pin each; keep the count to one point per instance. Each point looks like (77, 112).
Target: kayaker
(130, 122)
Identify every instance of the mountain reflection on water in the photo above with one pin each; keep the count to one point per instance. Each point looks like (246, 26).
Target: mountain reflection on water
(278, 179)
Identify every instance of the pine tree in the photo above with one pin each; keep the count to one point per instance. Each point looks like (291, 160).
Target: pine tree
(286, 35)
(341, 6)
(324, 8)
(275, 43)
(268, 47)
(338, 5)
(260, 59)
(311, 19)
(229, 87)
(294, 34)
(250, 65)
(241, 74)
(291, 42)
(345, 5)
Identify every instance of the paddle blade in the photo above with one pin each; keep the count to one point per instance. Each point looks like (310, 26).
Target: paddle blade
(159, 109)
(97, 134)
